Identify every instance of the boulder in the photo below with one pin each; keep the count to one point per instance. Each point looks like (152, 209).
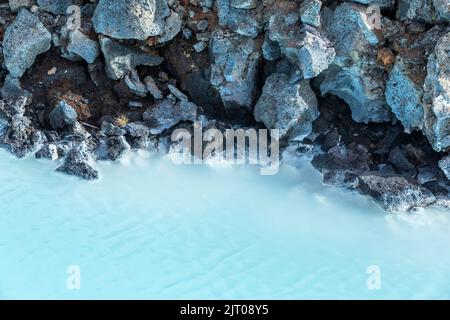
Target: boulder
(19, 134)
(55, 6)
(310, 12)
(48, 151)
(242, 17)
(234, 70)
(110, 129)
(15, 5)
(12, 89)
(444, 164)
(152, 88)
(24, 40)
(121, 60)
(112, 148)
(354, 75)
(118, 147)
(354, 159)
(137, 135)
(78, 162)
(404, 96)
(404, 88)
(62, 116)
(289, 107)
(395, 194)
(82, 46)
(165, 114)
(136, 19)
(430, 11)
(436, 100)
(305, 46)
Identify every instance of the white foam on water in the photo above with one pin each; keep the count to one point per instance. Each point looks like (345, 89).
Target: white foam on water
(152, 229)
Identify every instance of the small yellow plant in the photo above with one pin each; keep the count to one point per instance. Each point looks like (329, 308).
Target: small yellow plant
(122, 121)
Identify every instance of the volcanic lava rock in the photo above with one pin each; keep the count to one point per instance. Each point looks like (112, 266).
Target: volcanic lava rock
(444, 164)
(137, 135)
(354, 75)
(48, 151)
(55, 6)
(24, 40)
(437, 96)
(136, 19)
(234, 70)
(286, 106)
(121, 60)
(394, 193)
(62, 116)
(242, 17)
(82, 46)
(78, 162)
(166, 114)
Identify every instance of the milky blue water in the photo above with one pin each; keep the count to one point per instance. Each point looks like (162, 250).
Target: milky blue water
(151, 229)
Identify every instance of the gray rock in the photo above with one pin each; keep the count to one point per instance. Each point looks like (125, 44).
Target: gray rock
(243, 18)
(442, 8)
(4, 126)
(121, 60)
(400, 161)
(172, 27)
(19, 133)
(82, 46)
(11, 89)
(442, 203)
(270, 49)
(113, 148)
(78, 162)
(118, 148)
(62, 116)
(24, 40)
(436, 100)
(48, 151)
(165, 114)
(187, 33)
(395, 194)
(134, 84)
(153, 88)
(55, 6)
(235, 69)
(427, 174)
(354, 159)
(177, 93)
(200, 46)
(444, 164)
(202, 25)
(404, 96)
(15, 5)
(109, 129)
(288, 107)
(310, 12)
(354, 75)
(304, 46)
(137, 135)
(130, 19)
(135, 104)
(136, 19)
(430, 11)
(311, 52)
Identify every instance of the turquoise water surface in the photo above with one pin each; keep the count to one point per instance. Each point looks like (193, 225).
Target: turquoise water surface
(151, 229)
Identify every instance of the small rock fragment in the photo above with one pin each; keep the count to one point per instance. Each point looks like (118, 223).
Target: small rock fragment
(62, 116)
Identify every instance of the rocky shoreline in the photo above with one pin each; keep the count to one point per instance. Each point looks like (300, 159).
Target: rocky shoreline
(85, 81)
